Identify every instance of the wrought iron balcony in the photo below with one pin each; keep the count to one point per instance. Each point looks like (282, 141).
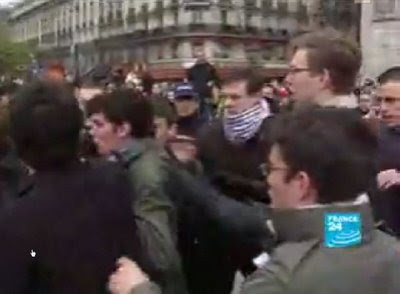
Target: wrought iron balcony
(193, 4)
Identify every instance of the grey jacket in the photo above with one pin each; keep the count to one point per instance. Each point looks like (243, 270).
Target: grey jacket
(303, 264)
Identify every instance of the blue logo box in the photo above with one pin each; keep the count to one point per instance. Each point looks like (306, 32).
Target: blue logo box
(342, 230)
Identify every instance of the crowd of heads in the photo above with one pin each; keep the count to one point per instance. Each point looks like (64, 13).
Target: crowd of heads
(47, 120)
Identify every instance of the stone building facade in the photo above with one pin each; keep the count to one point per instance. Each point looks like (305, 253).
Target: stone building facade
(380, 30)
(165, 34)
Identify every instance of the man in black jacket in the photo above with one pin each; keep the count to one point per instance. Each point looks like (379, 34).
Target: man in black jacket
(233, 148)
(66, 234)
(387, 203)
(204, 77)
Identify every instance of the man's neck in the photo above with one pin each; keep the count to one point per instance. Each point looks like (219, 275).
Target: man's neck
(329, 99)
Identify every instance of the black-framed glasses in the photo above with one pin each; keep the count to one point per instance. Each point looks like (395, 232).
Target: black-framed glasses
(267, 169)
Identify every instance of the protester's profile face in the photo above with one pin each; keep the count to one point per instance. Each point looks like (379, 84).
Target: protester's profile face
(163, 131)
(365, 103)
(185, 106)
(285, 192)
(268, 91)
(105, 134)
(237, 99)
(302, 82)
(388, 96)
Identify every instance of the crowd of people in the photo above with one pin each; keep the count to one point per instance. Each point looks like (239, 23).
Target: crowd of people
(270, 187)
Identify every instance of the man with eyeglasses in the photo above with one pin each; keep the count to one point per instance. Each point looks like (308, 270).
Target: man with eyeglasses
(327, 239)
(388, 179)
(323, 70)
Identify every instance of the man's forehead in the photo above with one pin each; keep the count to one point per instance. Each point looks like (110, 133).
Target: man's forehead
(391, 87)
(275, 155)
(98, 116)
(234, 86)
(299, 58)
(160, 120)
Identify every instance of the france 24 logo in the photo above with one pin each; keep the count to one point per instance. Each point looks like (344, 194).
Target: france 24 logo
(342, 230)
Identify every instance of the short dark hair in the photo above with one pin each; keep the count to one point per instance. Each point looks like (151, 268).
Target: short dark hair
(254, 80)
(391, 74)
(126, 106)
(45, 123)
(329, 50)
(94, 105)
(334, 147)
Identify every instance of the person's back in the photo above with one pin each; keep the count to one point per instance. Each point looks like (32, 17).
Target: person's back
(327, 239)
(373, 268)
(67, 234)
(306, 265)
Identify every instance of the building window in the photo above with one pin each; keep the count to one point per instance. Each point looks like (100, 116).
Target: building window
(279, 53)
(159, 12)
(282, 8)
(267, 53)
(266, 7)
(160, 51)
(176, 18)
(118, 12)
(224, 17)
(145, 15)
(174, 50)
(302, 13)
(385, 9)
(197, 16)
(131, 15)
(247, 19)
(224, 51)
(250, 4)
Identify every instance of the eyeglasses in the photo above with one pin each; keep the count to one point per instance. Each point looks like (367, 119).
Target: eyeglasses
(267, 169)
(388, 100)
(294, 70)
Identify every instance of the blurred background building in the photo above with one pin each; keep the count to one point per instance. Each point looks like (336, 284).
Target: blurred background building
(164, 35)
(380, 30)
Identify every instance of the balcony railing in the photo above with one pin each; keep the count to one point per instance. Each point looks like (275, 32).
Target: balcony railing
(193, 4)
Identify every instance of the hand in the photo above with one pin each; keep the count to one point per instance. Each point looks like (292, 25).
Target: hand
(127, 277)
(388, 178)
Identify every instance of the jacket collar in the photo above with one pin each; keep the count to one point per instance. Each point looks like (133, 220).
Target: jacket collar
(342, 101)
(133, 149)
(296, 225)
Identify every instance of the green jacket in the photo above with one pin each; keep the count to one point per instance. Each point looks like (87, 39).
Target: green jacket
(147, 164)
(146, 288)
(303, 264)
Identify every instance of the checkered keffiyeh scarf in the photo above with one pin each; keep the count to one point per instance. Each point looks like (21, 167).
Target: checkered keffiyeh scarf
(241, 127)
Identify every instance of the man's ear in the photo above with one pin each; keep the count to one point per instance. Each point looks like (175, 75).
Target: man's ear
(173, 130)
(307, 187)
(124, 130)
(326, 79)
